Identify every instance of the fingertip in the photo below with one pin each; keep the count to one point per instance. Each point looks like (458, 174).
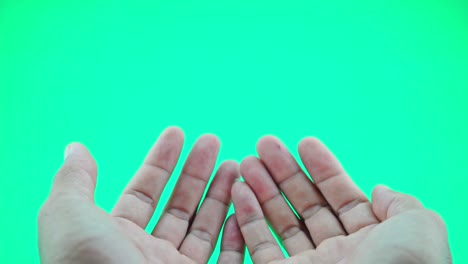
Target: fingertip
(232, 241)
(268, 142)
(231, 222)
(232, 218)
(173, 129)
(76, 149)
(244, 200)
(68, 151)
(235, 189)
(174, 132)
(381, 188)
(240, 192)
(210, 136)
(232, 230)
(79, 170)
(230, 165)
(247, 163)
(210, 139)
(249, 159)
(379, 191)
(309, 143)
(265, 140)
(229, 173)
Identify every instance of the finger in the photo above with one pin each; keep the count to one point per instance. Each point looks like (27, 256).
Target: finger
(140, 197)
(387, 203)
(260, 242)
(347, 200)
(77, 176)
(276, 209)
(299, 189)
(201, 240)
(174, 221)
(232, 245)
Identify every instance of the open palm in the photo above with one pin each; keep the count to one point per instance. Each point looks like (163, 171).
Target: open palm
(335, 222)
(72, 229)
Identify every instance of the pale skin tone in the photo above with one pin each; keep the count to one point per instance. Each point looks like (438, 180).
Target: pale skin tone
(72, 229)
(336, 223)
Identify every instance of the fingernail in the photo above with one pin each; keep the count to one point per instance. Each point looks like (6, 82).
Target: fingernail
(68, 151)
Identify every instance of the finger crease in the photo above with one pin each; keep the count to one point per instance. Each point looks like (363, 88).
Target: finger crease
(350, 206)
(312, 210)
(293, 175)
(262, 204)
(329, 178)
(252, 220)
(262, 246)
(179, 214)
(142, 196)
(227, 250)
(162, 171)
(203, 236)
(205, 181)
(212, 198)
(290, 232)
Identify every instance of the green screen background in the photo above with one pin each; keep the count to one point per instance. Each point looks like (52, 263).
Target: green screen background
(382, 83)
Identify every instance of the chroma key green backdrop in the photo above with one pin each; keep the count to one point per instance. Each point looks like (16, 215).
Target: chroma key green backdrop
(383, 83)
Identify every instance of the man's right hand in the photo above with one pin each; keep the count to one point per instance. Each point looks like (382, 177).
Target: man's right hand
(337, 223)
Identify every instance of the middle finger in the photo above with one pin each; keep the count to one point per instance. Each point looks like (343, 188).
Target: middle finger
(174, 222)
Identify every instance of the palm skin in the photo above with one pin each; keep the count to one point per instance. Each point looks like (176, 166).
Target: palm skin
(89, 246)
(72, 229)
(101, 238)
(336, 224)
(401, 239)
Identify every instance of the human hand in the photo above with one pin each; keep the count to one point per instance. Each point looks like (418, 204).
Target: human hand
(72, 229)
(337, 222)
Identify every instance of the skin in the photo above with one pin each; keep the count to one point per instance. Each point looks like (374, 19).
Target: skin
(72, 229)
(336, 223)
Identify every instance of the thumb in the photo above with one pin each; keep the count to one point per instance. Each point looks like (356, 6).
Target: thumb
(387, 203)
(77, 176)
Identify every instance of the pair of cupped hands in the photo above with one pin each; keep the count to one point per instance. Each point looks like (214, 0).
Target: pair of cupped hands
(322, 221)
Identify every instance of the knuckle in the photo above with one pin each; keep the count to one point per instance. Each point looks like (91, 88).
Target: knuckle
(404, 202)
(44, 211)
(435, 217)
(409, 200)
